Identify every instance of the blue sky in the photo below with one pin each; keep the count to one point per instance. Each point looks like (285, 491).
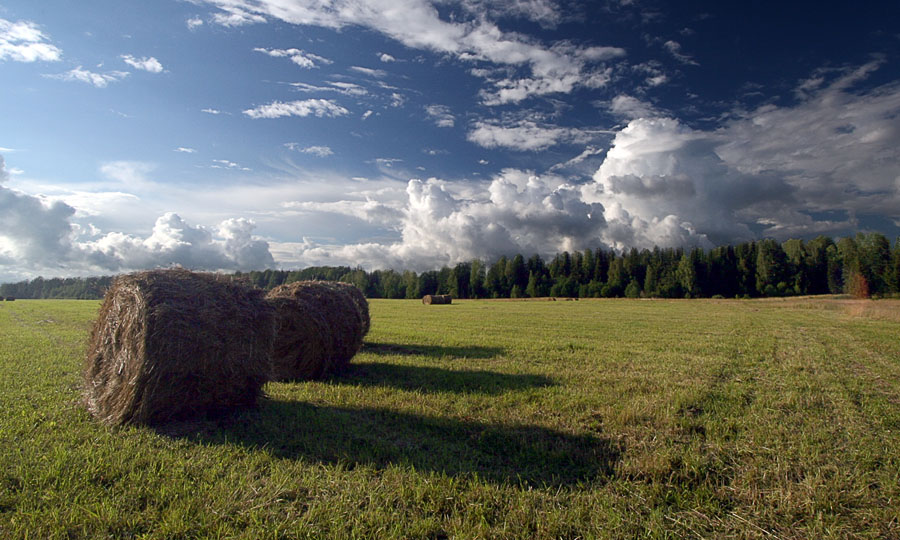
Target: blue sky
(241, 134)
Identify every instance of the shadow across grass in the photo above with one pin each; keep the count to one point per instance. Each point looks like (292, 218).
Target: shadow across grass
(433, 380)
(521, 455)
(432, 351)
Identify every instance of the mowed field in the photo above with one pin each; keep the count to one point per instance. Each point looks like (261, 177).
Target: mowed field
(488, 419)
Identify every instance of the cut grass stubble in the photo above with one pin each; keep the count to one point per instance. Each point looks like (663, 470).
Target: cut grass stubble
(592, 419)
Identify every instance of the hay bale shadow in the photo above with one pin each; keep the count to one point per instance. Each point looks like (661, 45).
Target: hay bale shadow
(437, 380)
(496, 453)
(431, 351)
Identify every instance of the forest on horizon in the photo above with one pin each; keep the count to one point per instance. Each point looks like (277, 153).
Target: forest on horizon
(863, 266)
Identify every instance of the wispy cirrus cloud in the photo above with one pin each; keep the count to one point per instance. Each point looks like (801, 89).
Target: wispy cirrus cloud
(308, 107)
(318, 150)
(99, 80)
(301, 58)
(557, 68)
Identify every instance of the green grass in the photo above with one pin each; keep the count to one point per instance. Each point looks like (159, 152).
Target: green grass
(483, 419)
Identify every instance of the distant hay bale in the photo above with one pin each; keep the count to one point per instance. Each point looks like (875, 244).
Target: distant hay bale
(429, 299)
(319, 327)
(10, 299)
(173, 344)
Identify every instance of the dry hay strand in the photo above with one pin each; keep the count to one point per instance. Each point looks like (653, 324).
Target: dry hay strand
(173, 344)
(356, 296)
(320, 327)
(430, 299)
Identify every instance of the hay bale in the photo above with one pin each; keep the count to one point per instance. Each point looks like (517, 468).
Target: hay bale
(320, 327)
(358, 299)
(10, 299)
(173, 344)
(430, 299)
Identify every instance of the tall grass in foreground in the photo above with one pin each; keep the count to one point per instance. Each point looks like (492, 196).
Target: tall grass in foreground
(590, 419)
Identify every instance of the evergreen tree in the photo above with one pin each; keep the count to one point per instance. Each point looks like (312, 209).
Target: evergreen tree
(476, 279)
(771, 268)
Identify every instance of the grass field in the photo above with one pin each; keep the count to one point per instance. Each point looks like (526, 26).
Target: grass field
(488, 419)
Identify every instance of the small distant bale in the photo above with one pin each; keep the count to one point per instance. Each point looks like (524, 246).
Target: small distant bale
(173, 344)
(319, 328)
(430, 299)
(10, 299)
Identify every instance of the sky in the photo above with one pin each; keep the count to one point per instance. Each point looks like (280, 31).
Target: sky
(412, 134)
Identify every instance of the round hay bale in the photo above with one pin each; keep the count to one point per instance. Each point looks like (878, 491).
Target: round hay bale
(358, 299)
(429, 299)
(173, 344)
(302, 340)
(319, 328)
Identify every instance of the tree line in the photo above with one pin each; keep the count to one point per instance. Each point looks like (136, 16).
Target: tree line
(864, 265)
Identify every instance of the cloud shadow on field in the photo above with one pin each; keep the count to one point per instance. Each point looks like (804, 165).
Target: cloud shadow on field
(432, 379)
(431, 351)
(497, 453)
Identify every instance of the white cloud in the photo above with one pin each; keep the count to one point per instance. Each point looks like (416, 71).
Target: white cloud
(132, 175)
(317, 107)
(559, 68)
(148, 63)
(226, 164)
(39, 236)
(100, 80)
(366, 115)
(186, 150)
(369, 210)
(234, 16)
(518, 212)
(629, 107)
(674, 49)
(319, 151)
(297, 56)
(385, 57)
(194, 22)
(376, 73)
(212, 111)
(523, 135)
(23, 41)
(441, 115)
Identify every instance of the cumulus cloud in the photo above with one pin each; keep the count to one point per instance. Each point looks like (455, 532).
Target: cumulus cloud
(193, 23)
(173, 241)
(386, 58)
(39, 236)
(317, 107)
(147, 63)
(518, 212)
(100, 80)
(23, 41)
(767, 171)
(417, 24)
(441, 115)
(31, 229)
(297, 56)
